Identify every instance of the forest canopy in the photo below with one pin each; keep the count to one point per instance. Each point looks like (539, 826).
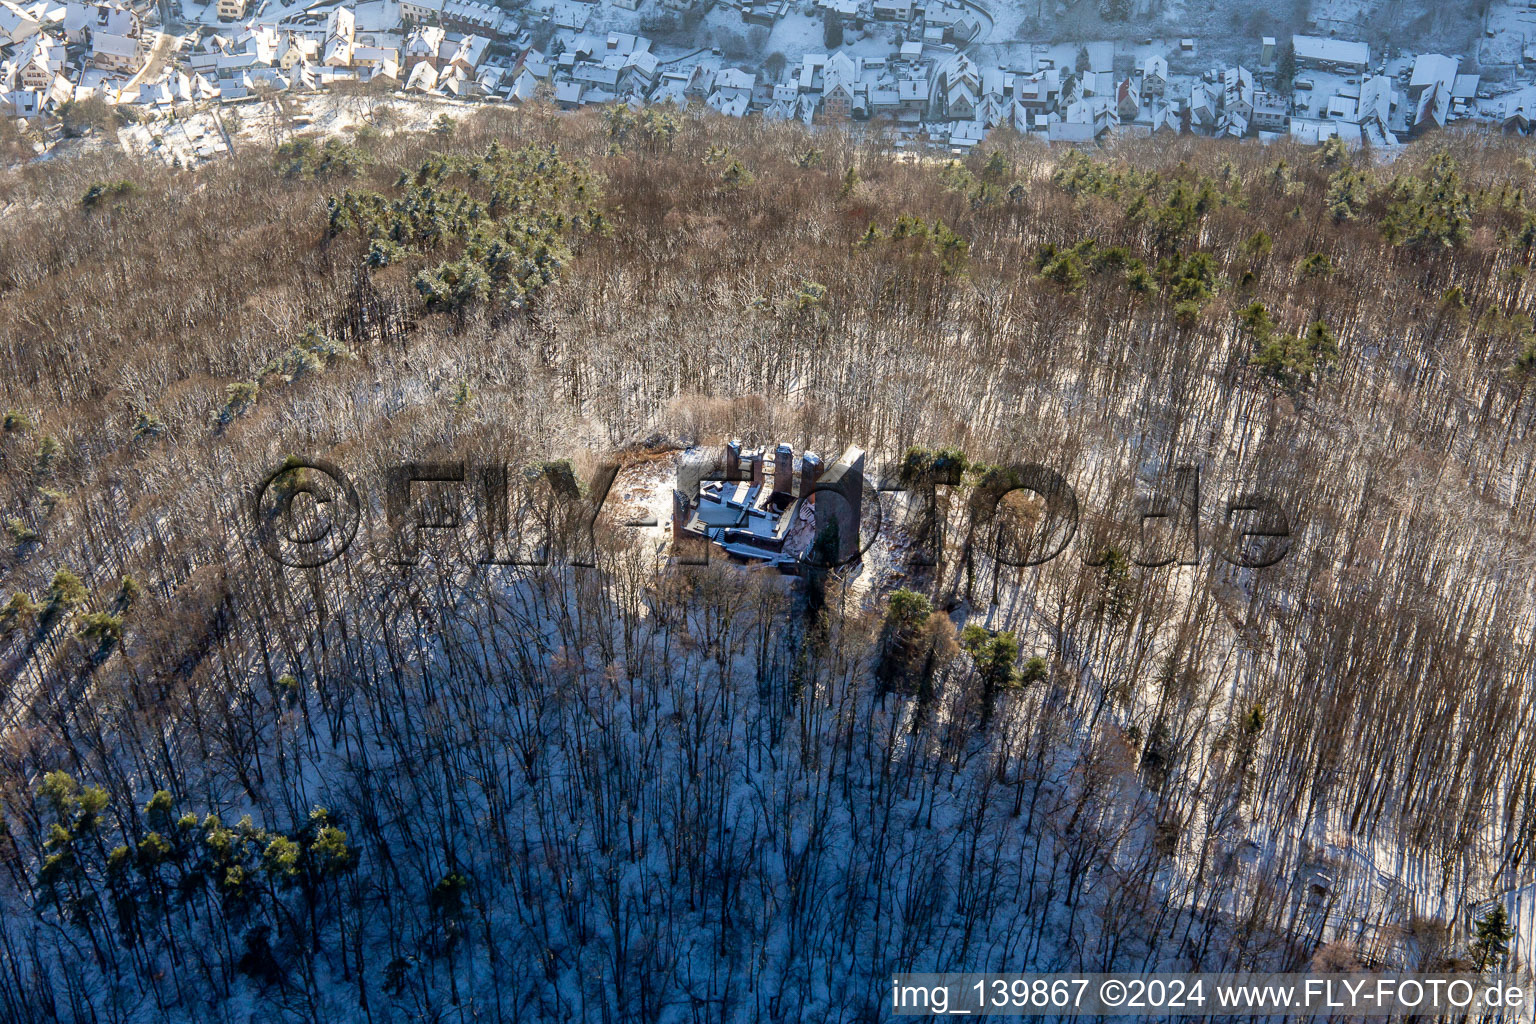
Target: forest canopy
(371, 791)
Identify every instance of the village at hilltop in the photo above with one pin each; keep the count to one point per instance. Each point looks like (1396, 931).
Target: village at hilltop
(931, 73)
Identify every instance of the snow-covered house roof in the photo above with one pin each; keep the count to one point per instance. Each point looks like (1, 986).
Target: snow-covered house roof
(39, 50)
(341, 24)
(1375, 98)
(114, 46)
(22, 102)
(1237, 86)
(1376, 134)
(466, 52)
(1431, 69)
(735, 78)
(1432, 109)
(1519, 109)
(644, 63)
(1202, 105)
(48, 13)
(1269, 105)
(961, 96)
(701, 82)
(423, 42)
(255, 38)
(1156, 115)
(1101, 57)
(1098, 83)
(624, 43)
(295, 49)
(373, 56)
(1071, 131)
(423, 77)
(966, 134)
(231, 62)
(81, 18)
(731, 102)
(1342, 108)
(534, 62)
(673, 89)
(524, 86)
(1349, 132)
(957, 68)
(596, 74)
(1335, 52)
(1127, 101)
(157, 94)
(1310, 132)
(780, 109)
(840, 67)
(338, 51)
(15, 23)
(572, 15)
(474, 15)
(1038, 89)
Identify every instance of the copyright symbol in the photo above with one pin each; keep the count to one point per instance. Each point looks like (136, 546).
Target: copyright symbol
(306, 513)
(1112, 993)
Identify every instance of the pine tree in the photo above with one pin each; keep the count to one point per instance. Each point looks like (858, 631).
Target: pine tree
(1491, 938)
(1114, 584)
(850, 182)
(1285, 67)
(901, 653)
(993, 655)
(1347, 194)
(831, 31)
(65, 593)
(996, 169)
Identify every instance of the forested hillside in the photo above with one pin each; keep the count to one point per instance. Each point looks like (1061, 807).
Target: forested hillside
(639, 790)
